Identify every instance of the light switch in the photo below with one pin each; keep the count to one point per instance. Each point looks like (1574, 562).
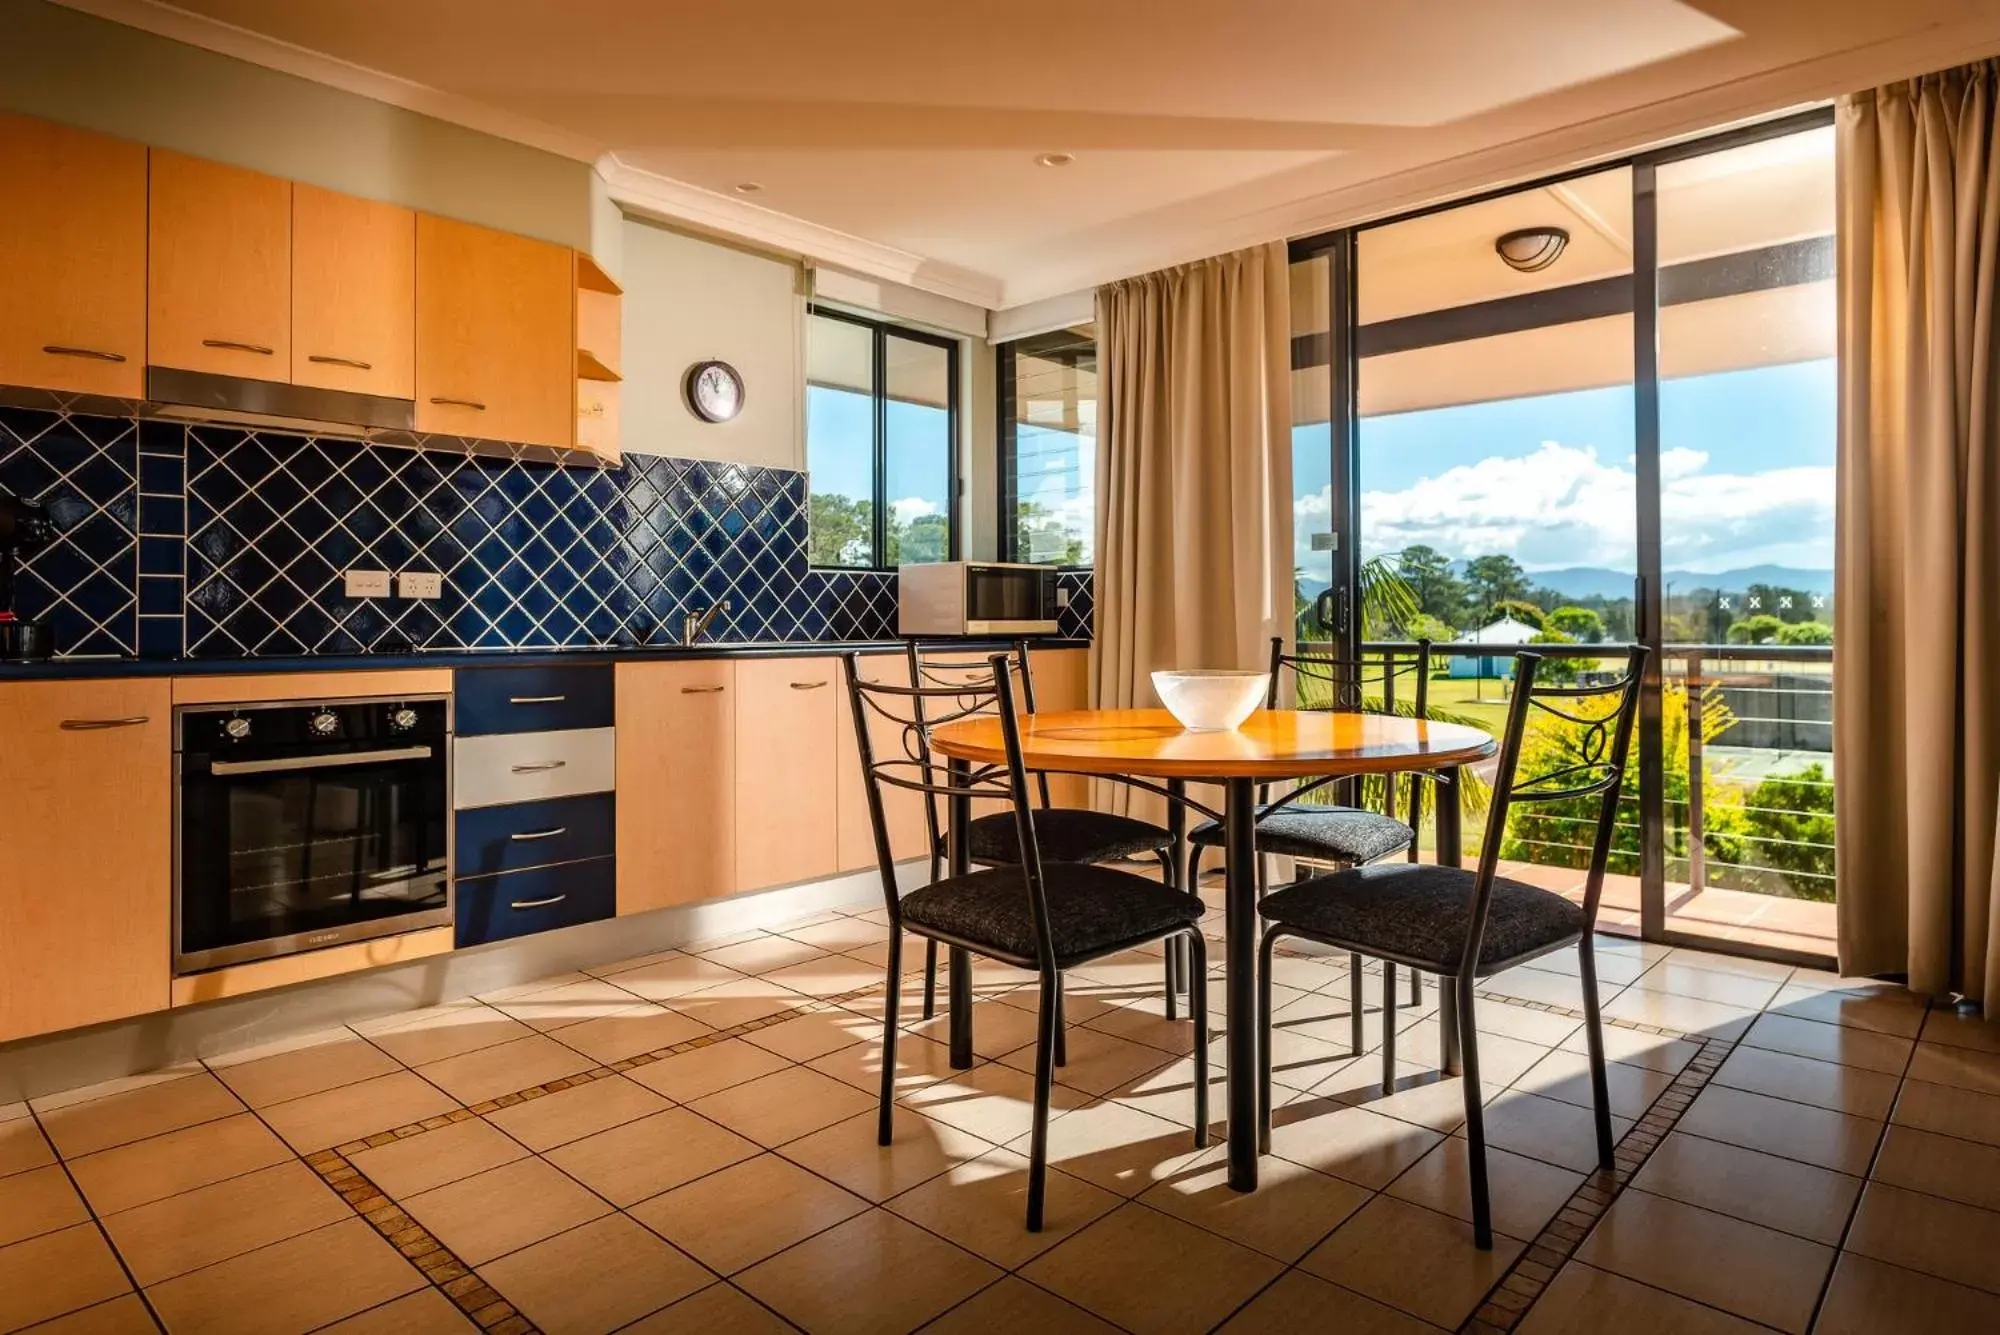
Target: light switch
(368, 584)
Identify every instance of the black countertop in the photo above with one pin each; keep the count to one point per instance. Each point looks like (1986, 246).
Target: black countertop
(77, 668)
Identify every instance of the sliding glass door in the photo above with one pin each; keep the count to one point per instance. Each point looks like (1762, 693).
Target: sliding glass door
(1587, 413)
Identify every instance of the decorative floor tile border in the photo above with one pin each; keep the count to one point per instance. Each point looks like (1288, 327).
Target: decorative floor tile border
(1524, 1282)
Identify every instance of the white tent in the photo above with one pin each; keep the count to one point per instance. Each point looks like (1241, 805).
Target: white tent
(1507, 633)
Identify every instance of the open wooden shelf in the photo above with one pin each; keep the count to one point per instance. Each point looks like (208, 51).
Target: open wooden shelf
(592, 278)
(589, 367)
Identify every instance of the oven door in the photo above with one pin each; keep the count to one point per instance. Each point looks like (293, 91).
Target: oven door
(1010, 600)
(283, 854)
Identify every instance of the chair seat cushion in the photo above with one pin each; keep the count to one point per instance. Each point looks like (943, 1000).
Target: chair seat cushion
(1090, 909)
(1419, 912)
(1324, 834)
(1064, 834)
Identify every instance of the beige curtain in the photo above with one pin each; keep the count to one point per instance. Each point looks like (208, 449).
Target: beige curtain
(1917, 706)
(1194, 473)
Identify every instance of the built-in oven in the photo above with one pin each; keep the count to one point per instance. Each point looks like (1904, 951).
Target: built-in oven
(977, 598)
(303, 825)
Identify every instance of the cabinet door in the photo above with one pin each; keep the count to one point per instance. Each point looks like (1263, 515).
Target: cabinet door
(785, 755)
(676, 783)
(496, 351)
(72, 259)
(219, 269)
(354, 294)
(902, 809)
(85, 822)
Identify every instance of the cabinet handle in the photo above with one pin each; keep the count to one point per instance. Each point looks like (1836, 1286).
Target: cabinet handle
(537, 903)
(528, 836)
(473, 404)
(101, 724)
(58, 350)
(536, 699)
(807, 685)
(230, 345)
(541, 768)
(340, 361)
(700, 690)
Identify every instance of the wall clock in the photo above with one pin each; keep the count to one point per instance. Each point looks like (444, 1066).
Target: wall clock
(714, 391)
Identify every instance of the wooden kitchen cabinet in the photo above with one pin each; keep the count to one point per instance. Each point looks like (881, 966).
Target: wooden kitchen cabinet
(902, 809)
(219, 269)
(786, 742)
(676, 783)
(86, 813)
(72, 259)
(354, 294)
(496, 350)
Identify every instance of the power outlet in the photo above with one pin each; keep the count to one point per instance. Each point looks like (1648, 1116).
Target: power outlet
(420, 584)
(368, 584)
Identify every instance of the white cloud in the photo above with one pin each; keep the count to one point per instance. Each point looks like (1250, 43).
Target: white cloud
(912, 507)
(1563, 506)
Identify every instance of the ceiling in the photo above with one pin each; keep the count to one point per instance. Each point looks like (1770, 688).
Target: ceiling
(899, 137)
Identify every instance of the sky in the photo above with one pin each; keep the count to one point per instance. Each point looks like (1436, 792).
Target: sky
(1746, 464)
(840, 450)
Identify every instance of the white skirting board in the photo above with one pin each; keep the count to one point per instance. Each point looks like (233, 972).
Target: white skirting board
(37, 1067)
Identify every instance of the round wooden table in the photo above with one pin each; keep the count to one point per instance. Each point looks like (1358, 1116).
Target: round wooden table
(1271, 744)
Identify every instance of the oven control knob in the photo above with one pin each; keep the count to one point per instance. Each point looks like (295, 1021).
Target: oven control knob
(324, 724)
(403, 719)
(236, 729)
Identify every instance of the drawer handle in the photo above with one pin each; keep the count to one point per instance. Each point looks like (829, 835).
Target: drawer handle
(340, 361)
(540, 768)
(473, 404)
(536, 699)
(700, 690)
(528, 836)
(537, 903)
(101, 724)
(807, 685)
(230, 345)
(91, 354)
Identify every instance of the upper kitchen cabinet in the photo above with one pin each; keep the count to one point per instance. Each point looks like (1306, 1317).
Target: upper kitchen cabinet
(72, 259)
(219, 282)
(496, 348)
(599, 340)
(354, 294)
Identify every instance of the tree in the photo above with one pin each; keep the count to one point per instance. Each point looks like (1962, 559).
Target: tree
(1759, 629)
(1578, 623)
(924, 539)
(1554, 670)
(841, 530)
(1778, 601)
(1427, 627)
(1520, 609)
(1427, 571)
(1806, 632)
(1496, 579)
(1038, 534)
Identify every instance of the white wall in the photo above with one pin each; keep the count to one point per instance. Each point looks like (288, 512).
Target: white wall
(689, 300)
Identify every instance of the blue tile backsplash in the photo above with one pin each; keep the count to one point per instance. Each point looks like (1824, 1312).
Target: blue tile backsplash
(206, 541)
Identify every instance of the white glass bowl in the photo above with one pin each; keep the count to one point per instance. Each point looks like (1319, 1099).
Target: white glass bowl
(1211, 699)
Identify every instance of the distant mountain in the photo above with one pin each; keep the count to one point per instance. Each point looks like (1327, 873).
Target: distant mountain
(1595, 581)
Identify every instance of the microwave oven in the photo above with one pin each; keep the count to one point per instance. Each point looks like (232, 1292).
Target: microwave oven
(977, 598)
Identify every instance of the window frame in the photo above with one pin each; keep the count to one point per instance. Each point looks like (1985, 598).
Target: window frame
(880, 331)
(1006, 440)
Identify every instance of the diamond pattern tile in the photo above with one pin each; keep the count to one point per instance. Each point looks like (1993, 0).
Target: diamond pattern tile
(85, 470)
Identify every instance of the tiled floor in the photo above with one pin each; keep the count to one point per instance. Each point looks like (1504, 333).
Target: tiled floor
(1802, 926)
(687, 1142)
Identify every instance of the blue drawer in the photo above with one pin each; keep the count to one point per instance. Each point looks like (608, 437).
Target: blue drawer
(532, 699)
(521, 903)
(492, 840)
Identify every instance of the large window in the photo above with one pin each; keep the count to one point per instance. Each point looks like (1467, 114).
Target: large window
(881, 443)
(1597, 411)
(1048, 448)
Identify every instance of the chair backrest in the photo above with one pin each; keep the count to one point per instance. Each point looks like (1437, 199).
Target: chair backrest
(946, 663)
(916, 711)
(1322, 679)
(1593, 765)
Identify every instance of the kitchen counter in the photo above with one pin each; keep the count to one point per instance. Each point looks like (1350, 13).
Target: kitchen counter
(65, 669)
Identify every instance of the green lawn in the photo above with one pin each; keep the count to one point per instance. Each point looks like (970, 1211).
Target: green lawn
(1482, 702)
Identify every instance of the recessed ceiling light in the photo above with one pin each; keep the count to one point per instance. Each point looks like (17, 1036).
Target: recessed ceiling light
(747, 187)
(1054, 159)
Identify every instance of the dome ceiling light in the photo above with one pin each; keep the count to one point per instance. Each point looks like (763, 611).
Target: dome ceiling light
(1531, 249)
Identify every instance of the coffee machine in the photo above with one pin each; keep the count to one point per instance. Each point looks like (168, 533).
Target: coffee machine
(24, 530)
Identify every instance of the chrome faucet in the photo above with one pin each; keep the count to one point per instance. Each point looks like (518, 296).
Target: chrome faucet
(694, 623)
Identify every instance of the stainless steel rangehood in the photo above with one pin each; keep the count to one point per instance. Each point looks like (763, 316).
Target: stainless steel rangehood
(241, 401)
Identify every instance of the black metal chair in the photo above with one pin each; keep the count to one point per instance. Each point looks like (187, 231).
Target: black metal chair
(1066, 834)
(1045, 916)
(1331, 834)
(1464, 925)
